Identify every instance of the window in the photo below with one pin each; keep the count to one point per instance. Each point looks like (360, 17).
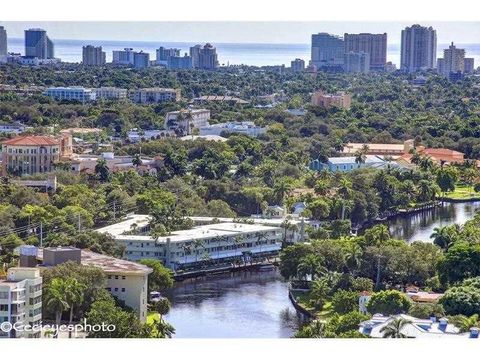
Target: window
(116, 277)
(116, 289)
(123, 277)
(123, 289)
(108, 289)
(109, 276)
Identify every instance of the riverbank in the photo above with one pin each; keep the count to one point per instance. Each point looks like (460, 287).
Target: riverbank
(262, 266)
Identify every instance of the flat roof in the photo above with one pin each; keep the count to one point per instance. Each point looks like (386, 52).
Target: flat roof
(351, 159)
(223, 228)
(108, 264)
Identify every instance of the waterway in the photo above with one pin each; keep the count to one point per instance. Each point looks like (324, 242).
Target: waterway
(254, 304)
(248, 304)
(419, 226)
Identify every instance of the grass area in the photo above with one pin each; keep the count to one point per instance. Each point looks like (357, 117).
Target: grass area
(462, 192)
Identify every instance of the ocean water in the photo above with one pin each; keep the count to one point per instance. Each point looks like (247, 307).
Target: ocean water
(238, 53)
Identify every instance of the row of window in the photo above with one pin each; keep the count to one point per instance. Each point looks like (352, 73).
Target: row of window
(114, 289)
(116, 277)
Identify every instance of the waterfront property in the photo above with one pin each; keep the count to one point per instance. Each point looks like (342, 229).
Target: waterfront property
(415, 328)
(126, 280)
(218, 242)
(21, 301)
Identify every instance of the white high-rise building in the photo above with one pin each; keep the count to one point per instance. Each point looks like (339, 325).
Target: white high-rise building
(453, 61)
(418, 48)
(21, 302)
(3, 44)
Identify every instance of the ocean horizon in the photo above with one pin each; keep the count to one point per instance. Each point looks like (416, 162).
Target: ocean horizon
(256, 54)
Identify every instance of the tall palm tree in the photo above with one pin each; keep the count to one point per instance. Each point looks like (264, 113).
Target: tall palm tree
(345, 191)
(282, 188)
(394, 328)
(137, 160)
(56, 299)
(311, 265)
(162, 329)
(360, 157)
(74, 293)
(353, 257)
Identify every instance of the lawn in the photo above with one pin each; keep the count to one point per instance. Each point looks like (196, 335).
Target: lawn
(462, 192)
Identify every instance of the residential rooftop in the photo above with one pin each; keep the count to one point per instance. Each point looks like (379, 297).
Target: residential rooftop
(32, 140)
(107, 263)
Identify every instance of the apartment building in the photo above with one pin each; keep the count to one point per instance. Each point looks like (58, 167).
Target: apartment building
(110, 93)
(185, 120)
(80, 94)
(375, 45)
(21, 302)
(418, 48)
(297, 65)
(126, 280)
(225, 241)
(123, 57)
(154, 95)
(340, 100)
(327, 51)
(93, 56)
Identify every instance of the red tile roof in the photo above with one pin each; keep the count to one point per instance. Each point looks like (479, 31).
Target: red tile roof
(30, 140)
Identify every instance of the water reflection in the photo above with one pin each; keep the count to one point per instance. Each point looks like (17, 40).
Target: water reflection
(241, 305)
(419, 226)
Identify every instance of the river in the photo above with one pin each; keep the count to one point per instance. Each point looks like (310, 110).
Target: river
(248, 304)
(419, 226)
(254, 304)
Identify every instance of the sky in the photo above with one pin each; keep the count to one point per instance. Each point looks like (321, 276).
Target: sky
(236, 31)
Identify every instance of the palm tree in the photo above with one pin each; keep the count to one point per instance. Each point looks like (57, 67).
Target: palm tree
(281, 188)
(311, 265)
(444, 236)
(136, 160)
(360, 157)
(74, 292)
(395, 327)
(321, 187)
(56, 299)
(344, 190)
(353, 257)
(314, 330)
(464, 323)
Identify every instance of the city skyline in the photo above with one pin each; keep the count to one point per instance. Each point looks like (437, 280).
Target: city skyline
(237, 32)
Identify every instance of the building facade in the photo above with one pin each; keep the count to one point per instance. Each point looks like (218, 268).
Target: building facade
(346, 164)
(21, 302)
(28, 155)
(327, 51)
(141, 60)
(163, 54)
(204, 57)
(3, 45)
(38, 44)
(375, 45)
(469, 65)
(184, 121)
(297, 65)
(80, 94)
(154, 95)
(454, 62)
(183, 248)
(123, 57)
(357, 62)
(179, 62)
(93, 56)
(237, 127)
(110, 93)
(340, 100)
(11, 128)
(418, 48)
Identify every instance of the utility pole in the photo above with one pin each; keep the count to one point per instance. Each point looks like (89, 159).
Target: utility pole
(377, 283)
(79, 223)
(41, 234)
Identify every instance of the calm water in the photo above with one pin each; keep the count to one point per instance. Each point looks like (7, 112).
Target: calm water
(256, 304)
(419, 227)
(240, 53)
(240, 305)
